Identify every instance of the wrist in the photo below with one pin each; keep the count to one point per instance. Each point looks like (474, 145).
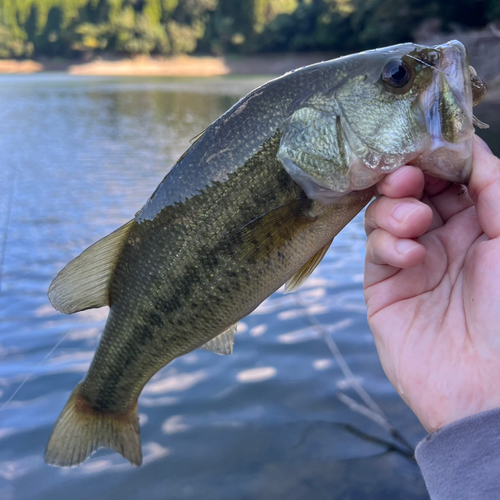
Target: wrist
(438, 420)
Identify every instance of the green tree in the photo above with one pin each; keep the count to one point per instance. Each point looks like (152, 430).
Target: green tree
(69, 27)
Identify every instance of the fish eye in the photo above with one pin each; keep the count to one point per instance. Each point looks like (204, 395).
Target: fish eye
(397, 74)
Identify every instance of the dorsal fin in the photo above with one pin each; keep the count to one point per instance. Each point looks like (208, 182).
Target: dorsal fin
(306, 270)
(84, 282)
(223, 343)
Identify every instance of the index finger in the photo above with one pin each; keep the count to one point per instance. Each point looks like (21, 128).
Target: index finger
(406, 181)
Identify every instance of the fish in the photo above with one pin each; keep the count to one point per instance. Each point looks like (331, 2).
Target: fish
(254, 203)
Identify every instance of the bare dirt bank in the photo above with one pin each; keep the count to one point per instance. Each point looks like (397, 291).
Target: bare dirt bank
(12, 66)
(187, 66)
(148, 66)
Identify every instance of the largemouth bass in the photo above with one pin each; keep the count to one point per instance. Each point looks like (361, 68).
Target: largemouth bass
(254, 203)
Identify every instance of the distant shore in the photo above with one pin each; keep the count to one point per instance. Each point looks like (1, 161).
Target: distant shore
(184, 65)
(483, 46)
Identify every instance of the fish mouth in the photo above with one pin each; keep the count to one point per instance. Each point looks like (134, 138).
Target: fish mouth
(446, 105)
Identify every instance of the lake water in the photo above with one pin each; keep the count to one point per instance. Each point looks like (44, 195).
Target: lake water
(78, 157)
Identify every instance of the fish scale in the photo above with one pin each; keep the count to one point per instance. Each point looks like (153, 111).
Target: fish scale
(159, 307)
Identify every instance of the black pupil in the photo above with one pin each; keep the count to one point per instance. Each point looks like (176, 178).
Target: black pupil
(398, 73)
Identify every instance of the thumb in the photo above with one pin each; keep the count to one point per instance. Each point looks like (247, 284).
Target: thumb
(484, 188)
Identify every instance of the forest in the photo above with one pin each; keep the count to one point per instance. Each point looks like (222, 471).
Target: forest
(72, 28)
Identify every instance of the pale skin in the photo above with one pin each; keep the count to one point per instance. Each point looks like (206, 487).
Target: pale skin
(432, 287)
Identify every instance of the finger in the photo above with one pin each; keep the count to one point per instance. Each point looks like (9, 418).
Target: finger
(436, 218)
(434, 186)
(386, 254)
(384, 248)
(405, 218)
(452, 201)
(404, 182)
(423, 271)
(484, 188)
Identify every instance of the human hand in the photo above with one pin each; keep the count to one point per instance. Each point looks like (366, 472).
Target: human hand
(432, 288)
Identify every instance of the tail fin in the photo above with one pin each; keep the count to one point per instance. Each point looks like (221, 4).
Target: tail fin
(80, 430)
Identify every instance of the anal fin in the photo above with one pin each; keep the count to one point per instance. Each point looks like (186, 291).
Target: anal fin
(306, 270)
(223, 343)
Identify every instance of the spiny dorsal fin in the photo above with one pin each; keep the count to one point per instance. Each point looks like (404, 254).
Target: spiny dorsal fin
(306, 270)
(84, 282)
(197, 137)
(223, 343)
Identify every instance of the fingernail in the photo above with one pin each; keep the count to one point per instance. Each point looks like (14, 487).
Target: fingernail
(402, 210)
(482, 144)
(405, 246)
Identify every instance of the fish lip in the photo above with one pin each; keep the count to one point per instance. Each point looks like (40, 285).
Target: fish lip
(445, 158)
(455, 66)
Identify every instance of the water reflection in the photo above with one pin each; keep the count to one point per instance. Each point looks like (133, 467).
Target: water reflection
(71, 362)
(174, 424)
(256, 374)
(322, 364)
(175, 383)
(15, 469)
(85, 334)
(151, 452)
(158, 401)
(258, 330)
(313, 333)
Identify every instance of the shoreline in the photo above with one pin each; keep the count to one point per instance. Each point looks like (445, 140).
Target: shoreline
(265, 64)
(175, 66)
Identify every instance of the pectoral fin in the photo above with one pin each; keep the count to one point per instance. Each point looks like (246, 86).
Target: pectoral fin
(223, 343)
(260, 237)
(306, 270)
(84, 282)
